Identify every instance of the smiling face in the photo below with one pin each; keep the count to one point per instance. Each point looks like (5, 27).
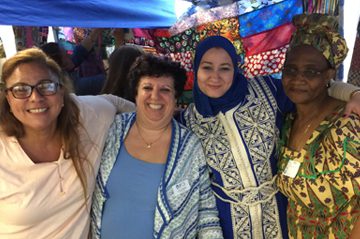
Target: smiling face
(155, 101)
(36, 113)
(306, 74)
(216, 72)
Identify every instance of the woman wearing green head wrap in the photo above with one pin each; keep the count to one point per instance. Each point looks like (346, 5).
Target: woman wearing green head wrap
(319, 164)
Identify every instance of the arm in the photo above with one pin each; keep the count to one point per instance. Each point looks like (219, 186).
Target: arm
(120, 104)
(119, 36)
(209, 225)
(346, 92)
(91, 39)
(82, 50)
(355, 233)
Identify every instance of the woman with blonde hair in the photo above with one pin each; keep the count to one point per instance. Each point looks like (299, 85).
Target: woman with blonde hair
(50, 147)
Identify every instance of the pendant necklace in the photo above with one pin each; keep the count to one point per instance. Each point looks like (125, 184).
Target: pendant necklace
(148, 145)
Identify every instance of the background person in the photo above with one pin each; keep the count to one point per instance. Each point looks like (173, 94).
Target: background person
(320, 148)
(90, 85)
(120, 62)
(238, 121)
(50, 147)
(153, 173)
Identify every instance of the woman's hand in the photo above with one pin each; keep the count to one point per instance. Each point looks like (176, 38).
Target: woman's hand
(353, 105)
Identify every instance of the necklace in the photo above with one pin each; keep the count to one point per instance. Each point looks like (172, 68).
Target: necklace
(148, 145)
(307, 127)
(310, 121)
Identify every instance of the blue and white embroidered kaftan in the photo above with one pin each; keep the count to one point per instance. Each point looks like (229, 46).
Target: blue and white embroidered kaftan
(239, 146)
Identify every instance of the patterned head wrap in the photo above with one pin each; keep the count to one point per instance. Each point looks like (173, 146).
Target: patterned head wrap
(321, 32)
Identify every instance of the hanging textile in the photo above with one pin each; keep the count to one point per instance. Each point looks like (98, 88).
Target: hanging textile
(269, 18)
(183, 42)
(354, 72)
(226, 27)
(268, 40)
(265, 63)
(210, 11)
(330, 7)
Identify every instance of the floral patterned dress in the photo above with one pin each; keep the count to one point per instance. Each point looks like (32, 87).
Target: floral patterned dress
(324, 193)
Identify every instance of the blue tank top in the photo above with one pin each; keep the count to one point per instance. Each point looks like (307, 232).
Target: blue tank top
(132, 187)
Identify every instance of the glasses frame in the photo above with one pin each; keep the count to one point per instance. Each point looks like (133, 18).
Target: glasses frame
(32, 87)
(305, 74)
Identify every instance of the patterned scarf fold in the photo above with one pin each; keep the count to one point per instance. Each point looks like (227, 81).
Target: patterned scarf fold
(321, 32)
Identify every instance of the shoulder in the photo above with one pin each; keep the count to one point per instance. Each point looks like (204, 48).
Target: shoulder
(266, 82)
(122, 122)
(94, 105)
(187, 139)
(347, 125)
(5, 140)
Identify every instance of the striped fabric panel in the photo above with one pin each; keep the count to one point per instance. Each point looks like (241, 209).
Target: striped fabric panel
(322, 6)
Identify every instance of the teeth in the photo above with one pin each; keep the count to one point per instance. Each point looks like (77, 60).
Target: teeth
(39, 110)
(155, 107)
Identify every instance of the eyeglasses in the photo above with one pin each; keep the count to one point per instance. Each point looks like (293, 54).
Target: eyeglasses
(23, 91)
(308, 73)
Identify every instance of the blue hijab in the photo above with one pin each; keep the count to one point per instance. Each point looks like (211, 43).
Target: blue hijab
(205, 105)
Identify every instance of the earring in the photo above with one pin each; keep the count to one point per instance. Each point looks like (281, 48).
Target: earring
(329, 83)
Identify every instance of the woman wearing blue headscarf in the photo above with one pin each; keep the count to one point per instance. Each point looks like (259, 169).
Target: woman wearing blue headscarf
(238, 122)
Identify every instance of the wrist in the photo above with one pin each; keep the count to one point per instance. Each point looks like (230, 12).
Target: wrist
(354, 93)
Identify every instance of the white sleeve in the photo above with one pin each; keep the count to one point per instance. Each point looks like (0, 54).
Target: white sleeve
(122, 105)
(341, 90)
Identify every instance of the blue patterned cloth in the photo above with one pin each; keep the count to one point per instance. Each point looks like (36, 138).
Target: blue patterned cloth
(268, 18)
(185, 203)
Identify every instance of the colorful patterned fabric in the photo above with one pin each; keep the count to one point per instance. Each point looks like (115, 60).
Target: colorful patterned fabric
(330, 7)
(183, 42)
(354, 72)
(322, 32)
(327, 204)
(269, 40)
(227, 28)
(269, 17)
(265, 63)
(185, 60)
(142, 37)
(187, 213)
(206, 13)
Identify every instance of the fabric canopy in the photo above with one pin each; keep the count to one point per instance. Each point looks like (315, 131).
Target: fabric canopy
(88, 13)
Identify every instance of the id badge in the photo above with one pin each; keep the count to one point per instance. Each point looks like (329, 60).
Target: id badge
(291, 169)
(179, 188)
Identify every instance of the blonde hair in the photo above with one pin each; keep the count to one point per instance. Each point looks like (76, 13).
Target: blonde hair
(68, 122)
